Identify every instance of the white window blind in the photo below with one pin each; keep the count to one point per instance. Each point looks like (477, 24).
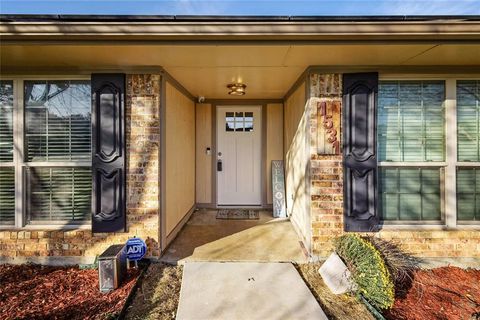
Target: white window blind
(6, 121)
(411, 131)
(7, 171)
(58, 117)
(411, 121)
(468, 120)
(58, 194)
(57, 131)
(7, 196)
(468, 194)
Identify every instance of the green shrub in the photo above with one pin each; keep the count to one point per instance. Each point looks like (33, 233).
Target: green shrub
(368, 270)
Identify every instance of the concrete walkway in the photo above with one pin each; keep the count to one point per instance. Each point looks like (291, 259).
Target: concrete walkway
(267, 291)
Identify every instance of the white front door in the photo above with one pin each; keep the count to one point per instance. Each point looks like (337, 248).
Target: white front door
(239, 139)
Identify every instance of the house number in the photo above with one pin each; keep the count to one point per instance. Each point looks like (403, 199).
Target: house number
(328, 116)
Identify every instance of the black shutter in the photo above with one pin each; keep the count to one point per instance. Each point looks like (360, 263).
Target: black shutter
(360, 151)
(108, 153)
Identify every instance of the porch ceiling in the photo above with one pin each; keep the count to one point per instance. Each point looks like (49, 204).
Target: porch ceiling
(269, 70)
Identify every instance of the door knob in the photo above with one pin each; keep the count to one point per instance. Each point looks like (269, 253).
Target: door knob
(219, 154)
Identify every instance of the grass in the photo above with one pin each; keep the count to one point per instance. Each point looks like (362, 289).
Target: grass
(158, 294)
(339, 307)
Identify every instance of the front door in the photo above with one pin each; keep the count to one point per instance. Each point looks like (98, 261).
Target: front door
(239, 157)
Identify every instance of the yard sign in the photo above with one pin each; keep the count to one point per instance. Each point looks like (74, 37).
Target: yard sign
(278, 189)
(135, 249)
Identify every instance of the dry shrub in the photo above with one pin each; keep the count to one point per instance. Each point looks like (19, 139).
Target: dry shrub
(368, 269)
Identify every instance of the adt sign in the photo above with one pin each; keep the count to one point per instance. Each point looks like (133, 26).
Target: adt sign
(135, 249)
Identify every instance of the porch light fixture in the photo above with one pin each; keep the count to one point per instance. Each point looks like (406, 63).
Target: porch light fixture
(236, 89)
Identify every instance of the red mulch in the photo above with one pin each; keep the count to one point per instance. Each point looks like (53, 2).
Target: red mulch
(443, 293)
(42, 292)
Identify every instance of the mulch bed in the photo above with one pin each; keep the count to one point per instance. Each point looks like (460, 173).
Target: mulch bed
(442, 293)
(336, 307)
(157, 295)
(45, 292)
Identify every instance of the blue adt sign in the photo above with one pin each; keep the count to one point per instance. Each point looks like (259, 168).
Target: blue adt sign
(135, 249)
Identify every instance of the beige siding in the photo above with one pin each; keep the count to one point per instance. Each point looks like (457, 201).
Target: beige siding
(204, 162)
(179, 157)
(274, 142)
(296, 163)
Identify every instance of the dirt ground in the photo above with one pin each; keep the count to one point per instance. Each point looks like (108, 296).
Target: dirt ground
(43, 292)
(339, 307)
(158, 294)
(442, 293)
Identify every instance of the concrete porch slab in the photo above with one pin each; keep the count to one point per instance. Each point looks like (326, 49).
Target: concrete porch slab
(216, 290)
(205, 238)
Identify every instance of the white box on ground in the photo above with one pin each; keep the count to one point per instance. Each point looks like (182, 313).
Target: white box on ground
(336, 275)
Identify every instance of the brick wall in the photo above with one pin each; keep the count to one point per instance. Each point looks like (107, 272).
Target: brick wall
(327, 197)
(143, 137)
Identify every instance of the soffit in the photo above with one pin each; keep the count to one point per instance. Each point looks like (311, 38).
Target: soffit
(268, 70)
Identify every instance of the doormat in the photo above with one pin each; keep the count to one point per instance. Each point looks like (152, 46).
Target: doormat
(238, 214)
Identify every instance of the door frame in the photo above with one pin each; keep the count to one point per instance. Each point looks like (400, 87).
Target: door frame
(263, 143)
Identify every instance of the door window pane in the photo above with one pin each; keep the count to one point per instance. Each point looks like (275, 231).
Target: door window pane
(7, 196)
(468, 120)
(6, 121)
(468, 194)
(411, 121)
(58, 194)
(58, 115)
(249, 121)
(238, 121)
(410, 194)
(229, 121)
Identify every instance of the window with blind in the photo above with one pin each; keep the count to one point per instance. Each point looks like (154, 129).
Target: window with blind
(411, 139)
(468, 150)
(7, 169)
(57, 142)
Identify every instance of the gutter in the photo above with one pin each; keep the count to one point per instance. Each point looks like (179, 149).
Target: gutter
(58, 28)
(217, 18)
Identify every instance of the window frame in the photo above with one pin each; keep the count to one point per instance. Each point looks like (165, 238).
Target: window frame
(451, 163)
(20, 163)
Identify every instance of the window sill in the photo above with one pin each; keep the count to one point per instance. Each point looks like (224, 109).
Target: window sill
(428, 227)
(48, 227)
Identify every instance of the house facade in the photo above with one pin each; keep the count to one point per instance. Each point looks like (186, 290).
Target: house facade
(113, 127)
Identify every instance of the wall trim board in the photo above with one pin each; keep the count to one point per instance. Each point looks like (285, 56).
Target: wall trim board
(171, 236)
(263, 169)
(177, 85)
(163, 164)
(302, 78)
(308, 180)
(299, 234)
(460, 70)
(61, 71)
(242, 101)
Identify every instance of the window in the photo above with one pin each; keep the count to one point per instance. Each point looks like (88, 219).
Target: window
(50, 165)
(7, 169)
(468, 151)
(411, 147)
(239, 121)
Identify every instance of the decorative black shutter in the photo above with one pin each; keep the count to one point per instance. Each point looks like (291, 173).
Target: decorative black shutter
(360, 151)
(108, 153)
